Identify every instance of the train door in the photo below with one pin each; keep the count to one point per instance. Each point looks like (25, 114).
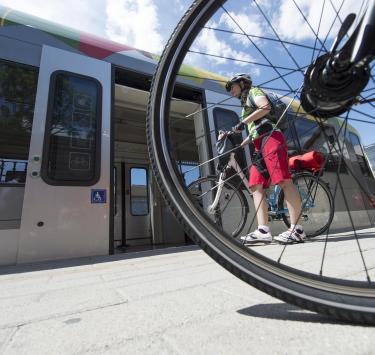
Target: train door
(66, 202)
(119, 203)
(17, 99)
(137, 205)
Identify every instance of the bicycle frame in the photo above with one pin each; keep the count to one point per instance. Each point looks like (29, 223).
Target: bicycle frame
(232, 163)
(361, 43)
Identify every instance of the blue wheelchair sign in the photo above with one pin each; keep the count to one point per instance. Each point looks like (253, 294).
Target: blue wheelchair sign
(98, 196)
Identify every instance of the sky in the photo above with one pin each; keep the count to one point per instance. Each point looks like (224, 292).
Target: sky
(148, 24)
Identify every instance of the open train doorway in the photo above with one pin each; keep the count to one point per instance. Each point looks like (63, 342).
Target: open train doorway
(141, 218)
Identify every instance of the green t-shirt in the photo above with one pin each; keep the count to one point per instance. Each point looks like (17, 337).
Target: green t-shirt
(248, 109)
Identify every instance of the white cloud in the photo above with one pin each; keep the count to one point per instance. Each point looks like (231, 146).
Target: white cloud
(81, 15)
(131, 22)
(207, 42)
(249, 22)
(290, 24)
(134, 22)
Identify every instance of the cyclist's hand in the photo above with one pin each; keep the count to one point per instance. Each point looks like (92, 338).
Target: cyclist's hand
(239, 127)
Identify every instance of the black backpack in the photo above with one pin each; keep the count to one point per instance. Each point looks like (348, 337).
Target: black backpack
(278, 107)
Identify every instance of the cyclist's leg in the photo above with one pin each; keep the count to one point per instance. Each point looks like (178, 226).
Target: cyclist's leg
(276, 158)
(296, 232)
(257, 185)
(275, 154)
(292, 199)
(260, 203)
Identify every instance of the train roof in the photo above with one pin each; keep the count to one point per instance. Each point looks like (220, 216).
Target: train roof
(39, 31)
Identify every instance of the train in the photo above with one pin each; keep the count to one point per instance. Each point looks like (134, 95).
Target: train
(75, 176)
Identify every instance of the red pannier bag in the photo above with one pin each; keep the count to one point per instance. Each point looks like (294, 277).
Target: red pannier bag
(312, 161)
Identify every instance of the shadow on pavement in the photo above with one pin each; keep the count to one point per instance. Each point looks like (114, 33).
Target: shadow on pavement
(285, 311)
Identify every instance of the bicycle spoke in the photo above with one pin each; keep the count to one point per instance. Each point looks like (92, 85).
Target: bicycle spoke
(345, 124)
(274, 31)
(316, 38)
(308, 23)
(339, 182)
(260, 37)
(354, 229)
(362, 113)
(303, 206)
(240, 60)
(323, 48)
(281, 77)
(210, 105)
(258, 49)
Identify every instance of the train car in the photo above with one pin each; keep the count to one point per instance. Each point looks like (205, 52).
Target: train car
(74, 168)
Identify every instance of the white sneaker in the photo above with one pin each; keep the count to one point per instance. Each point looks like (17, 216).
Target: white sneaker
(292, 236)
(257, 237)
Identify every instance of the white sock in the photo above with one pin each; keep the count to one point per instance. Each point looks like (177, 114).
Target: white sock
(264, 228)
(296, 226)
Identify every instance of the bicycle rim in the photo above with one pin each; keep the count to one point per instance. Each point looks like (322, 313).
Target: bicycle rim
(324, 290)
(231, 209)
(317, 205)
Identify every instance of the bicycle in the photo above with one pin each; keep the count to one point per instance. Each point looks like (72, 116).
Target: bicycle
(329, 80)
(228, 206)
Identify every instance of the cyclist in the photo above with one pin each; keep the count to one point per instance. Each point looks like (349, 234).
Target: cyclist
(269, 161)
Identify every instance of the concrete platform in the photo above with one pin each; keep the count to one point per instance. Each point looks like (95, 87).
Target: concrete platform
(172, 301)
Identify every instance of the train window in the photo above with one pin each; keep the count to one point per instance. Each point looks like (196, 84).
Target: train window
(322, 138)
(72, 139)
(139, 192)
(286, 127)
(189, 170)
(360, 155)
(225, 120)
(370, 152)
(18, 84)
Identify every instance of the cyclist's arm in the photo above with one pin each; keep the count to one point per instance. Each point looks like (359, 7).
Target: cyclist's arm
(264, 108)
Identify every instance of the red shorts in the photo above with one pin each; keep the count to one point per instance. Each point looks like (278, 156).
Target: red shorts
(275, 154)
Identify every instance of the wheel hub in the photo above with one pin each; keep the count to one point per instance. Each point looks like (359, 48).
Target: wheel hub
(332, 85)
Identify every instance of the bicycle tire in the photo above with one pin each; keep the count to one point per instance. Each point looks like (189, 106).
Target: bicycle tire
(344, 299)
(325, 189)
(244, 206)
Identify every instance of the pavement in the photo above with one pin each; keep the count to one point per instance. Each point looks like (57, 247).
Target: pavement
(171, 301)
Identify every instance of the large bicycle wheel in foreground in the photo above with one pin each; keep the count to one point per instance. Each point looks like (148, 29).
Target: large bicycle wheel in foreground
(339, 281)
